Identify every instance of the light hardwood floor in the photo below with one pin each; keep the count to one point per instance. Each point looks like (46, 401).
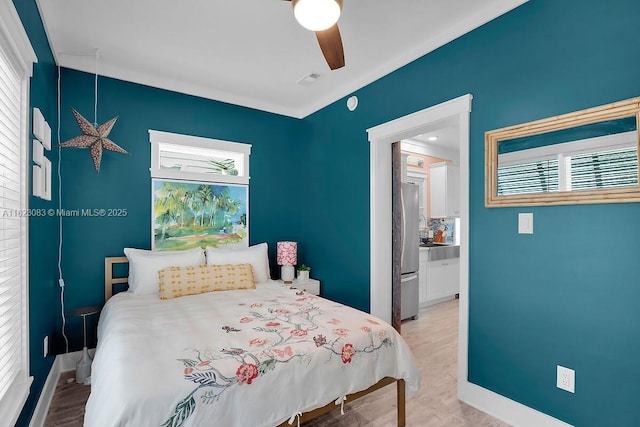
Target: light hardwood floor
(433, 340)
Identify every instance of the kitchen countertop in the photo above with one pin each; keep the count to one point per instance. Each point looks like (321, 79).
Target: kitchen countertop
(440, 252)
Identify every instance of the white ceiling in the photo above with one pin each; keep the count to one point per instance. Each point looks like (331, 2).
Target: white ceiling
(252, 52)
(446, 131)
(447, 143)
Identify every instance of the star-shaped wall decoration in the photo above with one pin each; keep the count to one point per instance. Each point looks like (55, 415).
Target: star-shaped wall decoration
(94, 138)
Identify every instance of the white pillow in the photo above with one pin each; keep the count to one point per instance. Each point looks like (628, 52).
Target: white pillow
(144, 266)
(256, 255)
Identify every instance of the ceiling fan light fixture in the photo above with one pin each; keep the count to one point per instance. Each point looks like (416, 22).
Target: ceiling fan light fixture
(317, 15)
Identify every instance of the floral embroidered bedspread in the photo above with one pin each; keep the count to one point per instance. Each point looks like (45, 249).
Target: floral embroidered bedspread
(235, 358)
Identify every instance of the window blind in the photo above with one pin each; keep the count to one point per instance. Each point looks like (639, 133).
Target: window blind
(605, 169)
(11, 226)
(529, 177)
(13, 234)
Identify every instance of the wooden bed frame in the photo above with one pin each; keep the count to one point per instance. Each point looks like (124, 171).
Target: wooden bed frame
(110, 280)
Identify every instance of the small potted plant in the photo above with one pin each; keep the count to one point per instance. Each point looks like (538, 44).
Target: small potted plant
(303, 273)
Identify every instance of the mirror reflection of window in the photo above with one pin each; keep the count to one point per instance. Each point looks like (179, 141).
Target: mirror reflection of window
(589, 157)
(540, 176)
(604, 169)
(582, 157)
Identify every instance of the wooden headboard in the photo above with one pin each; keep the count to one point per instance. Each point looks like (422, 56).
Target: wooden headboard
(109, 279)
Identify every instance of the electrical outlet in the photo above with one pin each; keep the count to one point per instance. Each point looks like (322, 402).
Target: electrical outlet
(45, 346)
(566, 379)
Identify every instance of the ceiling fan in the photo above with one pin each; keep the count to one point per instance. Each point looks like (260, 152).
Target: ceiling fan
(322, 16)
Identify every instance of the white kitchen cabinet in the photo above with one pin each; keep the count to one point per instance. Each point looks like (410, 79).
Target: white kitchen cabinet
(443, 279)
(404, 166)
(445, 190)
(422, 275)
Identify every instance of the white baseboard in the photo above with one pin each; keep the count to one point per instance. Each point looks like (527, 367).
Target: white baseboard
(437, 301)
(63, 363)
(507, 410)
(68, 361)
(46, 396)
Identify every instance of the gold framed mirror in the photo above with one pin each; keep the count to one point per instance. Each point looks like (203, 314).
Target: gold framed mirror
(588, 156)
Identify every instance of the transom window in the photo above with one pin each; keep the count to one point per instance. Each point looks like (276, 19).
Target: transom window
(194, 158)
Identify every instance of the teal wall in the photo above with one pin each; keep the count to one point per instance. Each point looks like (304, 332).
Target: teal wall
(569, 293)
(44, 307)
(124, 181)
(565, 295)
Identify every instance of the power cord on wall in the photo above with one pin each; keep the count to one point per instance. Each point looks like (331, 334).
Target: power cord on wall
(60, 279)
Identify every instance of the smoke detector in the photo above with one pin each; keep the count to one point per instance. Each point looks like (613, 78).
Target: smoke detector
(309, 79)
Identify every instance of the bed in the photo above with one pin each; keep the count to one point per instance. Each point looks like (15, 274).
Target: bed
(269, 356)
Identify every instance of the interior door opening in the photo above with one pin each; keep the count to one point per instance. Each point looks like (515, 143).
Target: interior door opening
(383, 282)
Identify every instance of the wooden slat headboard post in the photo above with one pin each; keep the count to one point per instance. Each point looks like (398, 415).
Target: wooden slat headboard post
(109, 280)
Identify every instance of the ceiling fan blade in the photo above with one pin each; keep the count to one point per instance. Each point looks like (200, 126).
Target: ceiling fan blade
(331, 45)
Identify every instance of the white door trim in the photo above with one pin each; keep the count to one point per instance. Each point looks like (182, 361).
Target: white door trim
(380, 138)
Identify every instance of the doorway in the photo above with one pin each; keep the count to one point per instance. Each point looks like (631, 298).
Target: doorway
(381, 137)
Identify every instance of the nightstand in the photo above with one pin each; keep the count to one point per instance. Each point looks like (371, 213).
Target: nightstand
(311, 286)
(83, 367)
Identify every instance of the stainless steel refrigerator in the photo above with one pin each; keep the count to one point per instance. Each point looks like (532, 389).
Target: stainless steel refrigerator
(410, 251)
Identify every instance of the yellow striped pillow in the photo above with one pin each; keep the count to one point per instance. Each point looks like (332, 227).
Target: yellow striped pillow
(197, 279)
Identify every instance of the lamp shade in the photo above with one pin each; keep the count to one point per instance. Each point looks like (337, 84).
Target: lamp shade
(287, 253)
(317, 15)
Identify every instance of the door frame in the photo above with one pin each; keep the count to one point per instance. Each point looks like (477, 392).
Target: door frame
(380, 138)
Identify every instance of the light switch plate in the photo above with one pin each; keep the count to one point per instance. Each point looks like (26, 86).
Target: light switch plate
(525, 223)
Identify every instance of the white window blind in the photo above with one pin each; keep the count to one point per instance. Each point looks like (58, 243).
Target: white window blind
(16, 59)
(11, 226)
(530, 177)
(605, 169)
(587, 171)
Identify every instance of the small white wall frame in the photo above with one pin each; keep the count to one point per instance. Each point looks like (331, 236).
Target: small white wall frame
(46, 142)
(46, 179)
(37, 181)
(38, 124)
(38, 152)
(41, 129)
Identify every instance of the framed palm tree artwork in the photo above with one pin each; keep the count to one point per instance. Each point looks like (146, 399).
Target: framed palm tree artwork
(188, 214)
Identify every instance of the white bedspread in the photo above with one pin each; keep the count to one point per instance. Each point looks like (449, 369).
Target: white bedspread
(235, 358)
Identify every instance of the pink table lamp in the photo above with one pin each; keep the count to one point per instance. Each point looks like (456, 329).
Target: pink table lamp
(287, 254)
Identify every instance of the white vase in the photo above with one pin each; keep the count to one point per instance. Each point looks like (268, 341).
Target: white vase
(303, 276)
(287, 273)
